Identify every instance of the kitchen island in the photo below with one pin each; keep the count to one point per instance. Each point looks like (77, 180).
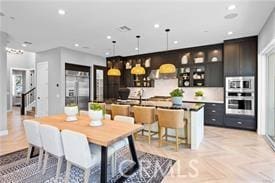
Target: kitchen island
(194, 114)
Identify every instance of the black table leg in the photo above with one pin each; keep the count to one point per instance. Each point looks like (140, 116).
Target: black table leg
(133, 152)
(104, 165)
(32, 152)
(134, 158)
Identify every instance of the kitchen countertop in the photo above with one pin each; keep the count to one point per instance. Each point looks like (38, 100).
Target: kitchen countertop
(161, 104)
(204, 101)
(192, 100)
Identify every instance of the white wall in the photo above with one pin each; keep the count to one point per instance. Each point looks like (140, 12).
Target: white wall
(164, 87)
(80, 58)
(26, 61)
(3, 84)
(267, 33)
(57, 58)
(266, 42)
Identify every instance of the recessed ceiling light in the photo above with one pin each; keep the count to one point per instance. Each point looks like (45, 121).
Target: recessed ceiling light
(231, 15)
(231, 7)
(61, 12)
(109, 37)
(136, 48)
(24, 45)
(107, 53)
(156, 26)
(175, 42)
(230, 33)
(76, 45)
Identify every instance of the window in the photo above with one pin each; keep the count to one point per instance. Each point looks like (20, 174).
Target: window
(17, 85)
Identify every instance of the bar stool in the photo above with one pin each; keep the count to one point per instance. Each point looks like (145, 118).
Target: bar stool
(172, 119)
(147, 117)
(120, 110)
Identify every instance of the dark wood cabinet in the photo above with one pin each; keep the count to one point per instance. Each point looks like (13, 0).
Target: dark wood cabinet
(240, 57)
(240, 122)
(248, 57)
(213, 114)
(214, 75)
(231, 59)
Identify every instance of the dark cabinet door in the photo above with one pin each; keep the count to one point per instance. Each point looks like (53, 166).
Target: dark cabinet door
(214, 75)
(231, 59)
(248, 57)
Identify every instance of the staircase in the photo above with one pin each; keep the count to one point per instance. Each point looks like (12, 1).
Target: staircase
(28, 103)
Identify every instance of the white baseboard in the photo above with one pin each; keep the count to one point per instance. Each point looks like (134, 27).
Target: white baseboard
(4, 132)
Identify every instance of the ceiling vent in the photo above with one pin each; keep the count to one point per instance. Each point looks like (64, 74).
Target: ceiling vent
(27, 43)
(124, 28)
(231, 16)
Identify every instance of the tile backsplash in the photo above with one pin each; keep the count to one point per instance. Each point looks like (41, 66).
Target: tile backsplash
(164, 87)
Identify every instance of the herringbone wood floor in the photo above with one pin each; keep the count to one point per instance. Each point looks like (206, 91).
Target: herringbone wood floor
(225, 155)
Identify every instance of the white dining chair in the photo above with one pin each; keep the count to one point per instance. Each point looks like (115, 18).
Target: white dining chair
(34, 140)
(52, 144)
(78, 152)
(122, 143)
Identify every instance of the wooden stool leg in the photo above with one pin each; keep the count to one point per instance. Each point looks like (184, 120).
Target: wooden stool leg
(177, 140)
(149, 134)
(166, 133)
(160, 136)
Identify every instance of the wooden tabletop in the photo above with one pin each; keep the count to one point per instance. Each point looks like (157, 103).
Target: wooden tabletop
(105, 135)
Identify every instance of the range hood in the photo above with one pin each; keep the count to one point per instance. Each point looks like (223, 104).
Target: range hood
(155, 75)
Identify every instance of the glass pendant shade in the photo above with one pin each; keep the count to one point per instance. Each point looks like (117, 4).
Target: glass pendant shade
(138, 70)
(167, 69)
(113, 72)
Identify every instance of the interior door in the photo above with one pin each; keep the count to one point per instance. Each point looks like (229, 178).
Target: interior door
(270, 128)
(42, 89)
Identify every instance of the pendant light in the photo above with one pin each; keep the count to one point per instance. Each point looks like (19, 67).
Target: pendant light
(138, 69)
(167, 68)
(113, 71)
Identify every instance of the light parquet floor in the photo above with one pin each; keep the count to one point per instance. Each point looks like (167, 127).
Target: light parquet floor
(226, 155)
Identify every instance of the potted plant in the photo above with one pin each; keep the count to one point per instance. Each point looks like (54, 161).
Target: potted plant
(199, 94)
(96, 113)
(71, 111)
(177, 95)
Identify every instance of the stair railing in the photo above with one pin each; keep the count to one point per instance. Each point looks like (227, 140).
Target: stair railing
(27, 99)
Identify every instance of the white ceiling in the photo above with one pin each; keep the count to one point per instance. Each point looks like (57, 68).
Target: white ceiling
(88, 24)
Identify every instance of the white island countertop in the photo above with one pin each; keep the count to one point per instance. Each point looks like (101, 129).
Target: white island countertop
(203, 100)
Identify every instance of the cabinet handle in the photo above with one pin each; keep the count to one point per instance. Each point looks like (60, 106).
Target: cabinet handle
(213, 104)
(213, 119)
(213, 110)
(239, 122)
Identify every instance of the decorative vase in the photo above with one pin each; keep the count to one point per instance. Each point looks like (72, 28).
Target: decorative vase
(177, 100)
(199, 97)
(96, 117)
(71, 113)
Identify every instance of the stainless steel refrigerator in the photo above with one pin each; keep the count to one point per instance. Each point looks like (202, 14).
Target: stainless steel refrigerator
(77, 88)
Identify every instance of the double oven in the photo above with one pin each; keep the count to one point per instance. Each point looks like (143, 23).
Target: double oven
(240, 95)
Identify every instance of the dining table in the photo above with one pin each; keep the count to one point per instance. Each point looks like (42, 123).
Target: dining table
(105, 135)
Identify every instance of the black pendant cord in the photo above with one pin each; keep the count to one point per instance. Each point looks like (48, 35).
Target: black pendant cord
(138, 43)
(167, 31)
(114, 47)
